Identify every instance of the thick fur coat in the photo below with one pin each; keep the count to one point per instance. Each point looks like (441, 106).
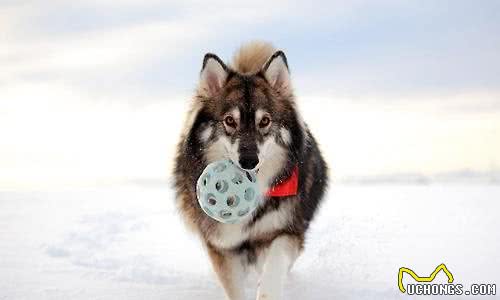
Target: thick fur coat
(246, 112)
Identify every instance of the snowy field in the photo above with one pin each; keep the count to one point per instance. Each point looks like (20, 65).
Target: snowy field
(128, 242)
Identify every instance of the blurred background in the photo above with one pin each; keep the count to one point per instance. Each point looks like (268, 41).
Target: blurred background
(94, 92)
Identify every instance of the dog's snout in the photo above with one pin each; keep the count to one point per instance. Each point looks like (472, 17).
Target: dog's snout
(248, 161)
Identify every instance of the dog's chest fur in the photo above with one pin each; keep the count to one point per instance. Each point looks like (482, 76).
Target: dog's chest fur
(269, 222)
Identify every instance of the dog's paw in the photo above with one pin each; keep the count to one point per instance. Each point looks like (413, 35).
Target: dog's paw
(264, 294)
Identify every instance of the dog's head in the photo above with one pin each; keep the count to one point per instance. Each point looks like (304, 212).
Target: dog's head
(249, 118)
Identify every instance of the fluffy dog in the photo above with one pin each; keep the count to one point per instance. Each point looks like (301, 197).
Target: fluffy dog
(246, 112)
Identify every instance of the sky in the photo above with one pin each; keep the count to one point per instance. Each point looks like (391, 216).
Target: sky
(95, 91)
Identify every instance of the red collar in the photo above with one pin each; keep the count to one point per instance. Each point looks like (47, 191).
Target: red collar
(286, 187)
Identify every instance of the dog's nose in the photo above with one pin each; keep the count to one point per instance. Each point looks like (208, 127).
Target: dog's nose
(249, 161)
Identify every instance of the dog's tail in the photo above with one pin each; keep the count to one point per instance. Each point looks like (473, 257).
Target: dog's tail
(251, 57)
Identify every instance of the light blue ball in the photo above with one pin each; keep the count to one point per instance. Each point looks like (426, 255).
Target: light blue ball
(226, 192)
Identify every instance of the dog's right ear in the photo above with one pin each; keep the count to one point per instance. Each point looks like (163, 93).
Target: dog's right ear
(213, 75)
(276, 71)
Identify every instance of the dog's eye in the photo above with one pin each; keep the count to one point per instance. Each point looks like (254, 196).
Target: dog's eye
(264, 122)
(230, 121)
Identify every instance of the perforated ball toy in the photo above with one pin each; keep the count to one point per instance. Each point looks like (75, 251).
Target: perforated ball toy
(226, 192)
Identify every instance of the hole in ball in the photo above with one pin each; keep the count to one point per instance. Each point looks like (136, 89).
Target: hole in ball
(221, 186)
(243, 212)
(206, 179)
(249, 194)
(250, 176)
(225, 214)
(232, 201)
(211, 199)
(237, 179)
(220, 167)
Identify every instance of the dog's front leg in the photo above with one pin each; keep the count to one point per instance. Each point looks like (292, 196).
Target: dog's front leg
(279, 259)
(230, 272)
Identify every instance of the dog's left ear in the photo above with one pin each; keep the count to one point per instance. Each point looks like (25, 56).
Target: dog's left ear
(213, 75)
(276, 71)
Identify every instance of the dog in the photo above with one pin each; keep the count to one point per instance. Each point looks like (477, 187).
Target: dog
(246, 112)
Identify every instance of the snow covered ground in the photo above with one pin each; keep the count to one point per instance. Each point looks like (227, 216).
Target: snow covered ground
(127, 242)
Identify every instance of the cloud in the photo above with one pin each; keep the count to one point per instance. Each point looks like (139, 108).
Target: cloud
(116, 46)
(351, 49)
(110, 50)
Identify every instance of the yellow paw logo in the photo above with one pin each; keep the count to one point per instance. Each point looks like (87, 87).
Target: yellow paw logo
(422, 279)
